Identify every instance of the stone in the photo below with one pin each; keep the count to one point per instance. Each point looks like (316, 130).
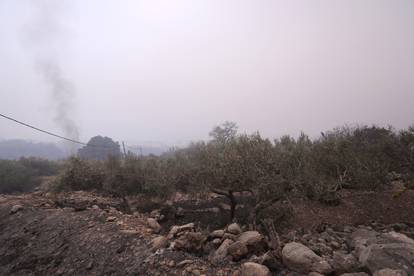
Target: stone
(362, 238)
(234, 228)
(252, 239)
(237, 250)
(216, 241)
(16, 208)
(254, 269)
(217, 234)
(393, 255)
(184, 263)
(299, 258)
(355, 274)
(190, 242)
(390, 272)
(128, 231)
(230, 236)
(110, 219)
(171, 263)
(154, 225)
(175, 230)
(221, 252)
(269, 260)
(342, 262)
(315, 274)
(159, 242)
(394, 237)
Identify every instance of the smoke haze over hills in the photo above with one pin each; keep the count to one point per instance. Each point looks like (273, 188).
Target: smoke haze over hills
(169, 71)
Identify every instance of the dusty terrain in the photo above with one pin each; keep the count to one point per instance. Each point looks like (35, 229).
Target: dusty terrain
(86, 234)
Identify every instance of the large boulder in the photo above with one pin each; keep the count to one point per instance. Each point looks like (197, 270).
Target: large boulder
(376, 251)
(393, 255)
(254, 269)
(394, 237)
(299, 258)
(221, 252)
(390, 272)
(362, 238)
(237, 250)
(342, 262)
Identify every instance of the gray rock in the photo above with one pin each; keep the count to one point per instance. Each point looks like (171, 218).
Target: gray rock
(221, 252)
(230, 236)
(254, 269)
(159, 242)
(16, 208)
(355, 274)
(110, 219)
(217, 234)
(390, 272)
(362, 238)
(342, 262)
(216, 241)
(175, 230)
(154, 225)
(394, 237)
(234, 228)
(190, 241)
(392, 255)
(299, 258)
(237, 250)
(315, 274)
(252, 239)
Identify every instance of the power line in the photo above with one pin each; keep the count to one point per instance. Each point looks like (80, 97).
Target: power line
(50, 133)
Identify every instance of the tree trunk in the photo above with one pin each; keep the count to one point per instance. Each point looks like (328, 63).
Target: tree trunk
(261, 206)
(233, 204)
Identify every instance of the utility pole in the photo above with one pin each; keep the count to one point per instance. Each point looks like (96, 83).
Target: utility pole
(123, 146)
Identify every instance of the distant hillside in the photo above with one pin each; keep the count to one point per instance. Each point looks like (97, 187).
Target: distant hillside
(14, 149)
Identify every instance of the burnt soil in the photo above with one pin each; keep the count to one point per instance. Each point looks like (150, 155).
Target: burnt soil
(85, 234)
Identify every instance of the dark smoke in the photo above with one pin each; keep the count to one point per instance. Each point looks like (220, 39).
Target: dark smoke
(62, 94)
(44, 38)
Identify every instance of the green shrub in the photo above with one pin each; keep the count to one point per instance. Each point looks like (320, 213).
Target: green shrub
(79, 174)
(15, 177)
(42, 167)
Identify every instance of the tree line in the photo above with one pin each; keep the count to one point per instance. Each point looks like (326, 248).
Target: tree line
(360, 157)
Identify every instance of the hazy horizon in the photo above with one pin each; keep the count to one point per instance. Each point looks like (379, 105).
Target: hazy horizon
(168, 71)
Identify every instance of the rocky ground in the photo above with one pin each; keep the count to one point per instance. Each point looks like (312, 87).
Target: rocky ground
(86, 234)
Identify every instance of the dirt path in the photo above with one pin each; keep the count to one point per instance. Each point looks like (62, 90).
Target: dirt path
(85, 234)
(43, 240)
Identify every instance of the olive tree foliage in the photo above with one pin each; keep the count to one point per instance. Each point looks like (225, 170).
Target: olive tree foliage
(233, 163)
(224, 132)
(79, 174)
(406, 138)
(359, 157)
(99, 148)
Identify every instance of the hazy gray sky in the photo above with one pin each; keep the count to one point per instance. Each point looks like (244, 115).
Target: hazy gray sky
(170, 70)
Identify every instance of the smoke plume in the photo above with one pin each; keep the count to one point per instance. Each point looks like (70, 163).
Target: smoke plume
(45, 37)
